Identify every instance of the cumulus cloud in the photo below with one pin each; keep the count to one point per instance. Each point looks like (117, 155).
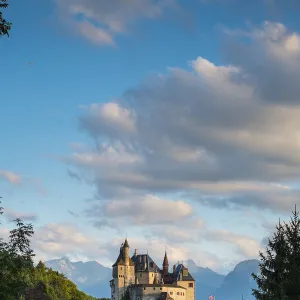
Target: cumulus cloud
(246, 246)
(99, 21)
(226, 135)
(25, 216)
(150, 210)
(10, 176)
(17, 179)
(57, 240)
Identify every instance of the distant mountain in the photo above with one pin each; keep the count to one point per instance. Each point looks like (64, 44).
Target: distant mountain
(90, 277)
(205, 275)
(207, 281)
(239, 282)
(93, 278)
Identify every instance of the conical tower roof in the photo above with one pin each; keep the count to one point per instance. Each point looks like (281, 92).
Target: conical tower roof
(126, 245)
(166, 262)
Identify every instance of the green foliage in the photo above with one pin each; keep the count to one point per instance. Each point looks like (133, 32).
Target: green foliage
(20, 280)
(5, 26)
(279, 276)
(55, 285)
(16, 265)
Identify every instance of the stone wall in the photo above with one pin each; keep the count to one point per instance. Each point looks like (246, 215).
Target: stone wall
(190, 291)
(154, 292)
(147, 277)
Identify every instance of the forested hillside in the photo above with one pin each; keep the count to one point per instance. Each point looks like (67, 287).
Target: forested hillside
(20, 280)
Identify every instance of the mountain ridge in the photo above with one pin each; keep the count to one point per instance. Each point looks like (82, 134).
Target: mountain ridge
(93, 278)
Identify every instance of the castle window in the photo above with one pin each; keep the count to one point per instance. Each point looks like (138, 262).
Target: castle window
(154, 288)
(121, 268)
(141, 274)
(191, 284)
(160, 288)
(151, 264)
(177, 293)
(152, 275)
(171, 293)
(144, 288)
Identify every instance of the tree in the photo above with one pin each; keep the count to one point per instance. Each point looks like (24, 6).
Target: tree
(16, 264)
(292, 233)
(5, 26)
(20, 280)
(279, 277)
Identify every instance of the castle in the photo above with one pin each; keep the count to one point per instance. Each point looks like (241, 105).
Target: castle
(144, 280)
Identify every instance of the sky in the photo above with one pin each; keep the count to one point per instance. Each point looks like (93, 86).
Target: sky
(174, 123)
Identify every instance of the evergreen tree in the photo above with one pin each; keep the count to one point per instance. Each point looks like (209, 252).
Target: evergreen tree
(5, 26)
(279, 277)
(292, 233)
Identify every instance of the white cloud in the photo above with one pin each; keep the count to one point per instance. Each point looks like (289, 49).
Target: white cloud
(149, 210)
(226, 135)
(100, 21)
(246, 246)
(95, 34)
(10, 176)
(63, 239)
(25, 216)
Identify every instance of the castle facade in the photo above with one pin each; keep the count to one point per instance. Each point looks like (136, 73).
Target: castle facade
(144, 280)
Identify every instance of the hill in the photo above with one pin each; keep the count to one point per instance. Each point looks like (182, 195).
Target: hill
(90, 277)
(48, 284)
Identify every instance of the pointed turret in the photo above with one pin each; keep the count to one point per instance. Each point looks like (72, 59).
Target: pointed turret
(165, 264)
(126, 252)
(126, 245)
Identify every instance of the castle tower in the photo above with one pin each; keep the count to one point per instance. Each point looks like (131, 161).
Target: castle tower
(165, 265)
(123, 273)
(126, 252)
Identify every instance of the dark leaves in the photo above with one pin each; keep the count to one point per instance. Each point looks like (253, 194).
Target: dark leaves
(279, 277)
(5, 26)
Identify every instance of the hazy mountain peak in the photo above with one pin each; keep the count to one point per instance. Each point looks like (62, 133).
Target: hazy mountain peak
(191, 262)
(247, 264)
(65, 258)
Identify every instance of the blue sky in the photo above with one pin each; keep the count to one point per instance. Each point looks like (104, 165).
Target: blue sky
(150, 119)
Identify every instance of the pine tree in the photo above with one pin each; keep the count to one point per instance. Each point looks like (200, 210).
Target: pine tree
(273, 269)
(292, 233)
(279, 277)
